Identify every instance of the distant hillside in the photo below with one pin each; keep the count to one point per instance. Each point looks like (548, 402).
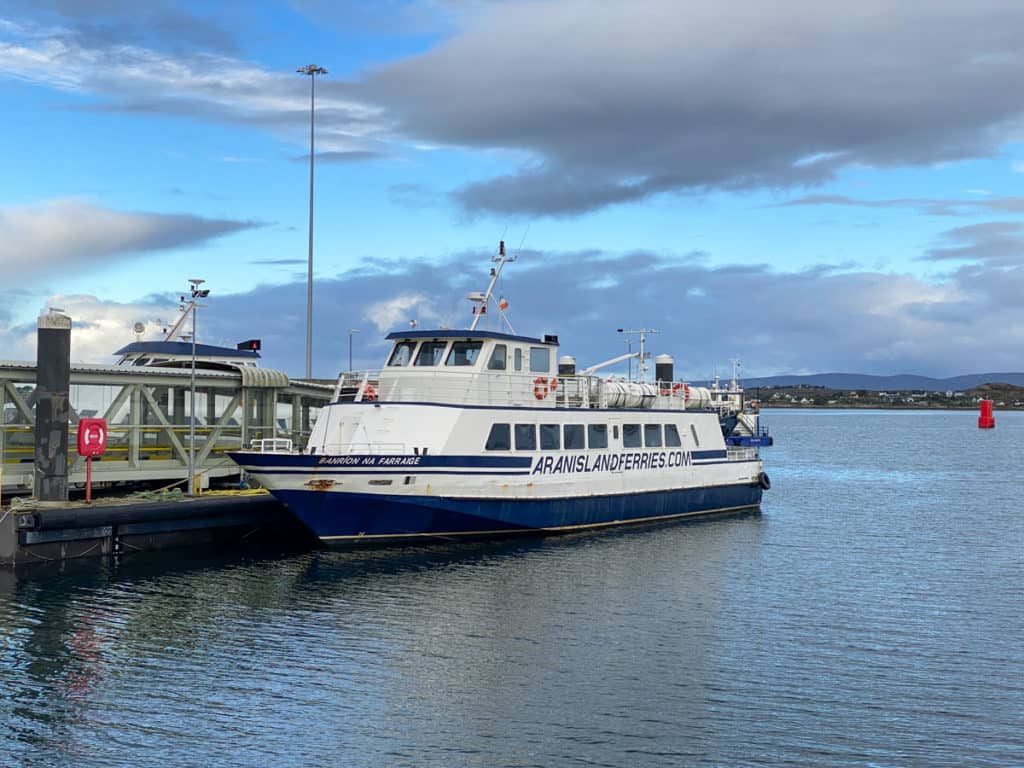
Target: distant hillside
(886, 383)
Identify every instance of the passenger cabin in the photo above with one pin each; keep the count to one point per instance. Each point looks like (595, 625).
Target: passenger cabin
(471, 367)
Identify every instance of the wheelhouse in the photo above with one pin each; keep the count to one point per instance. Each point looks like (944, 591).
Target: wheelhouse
(470, 351)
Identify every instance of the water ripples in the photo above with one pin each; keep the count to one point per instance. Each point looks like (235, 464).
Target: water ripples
(872, 615)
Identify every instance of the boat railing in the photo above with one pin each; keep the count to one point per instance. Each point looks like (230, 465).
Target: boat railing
(497, 388)
(272, 445)
(365, 449)
(354, 386)
(741, 454)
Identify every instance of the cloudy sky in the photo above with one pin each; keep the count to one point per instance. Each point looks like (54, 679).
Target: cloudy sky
(809, 186)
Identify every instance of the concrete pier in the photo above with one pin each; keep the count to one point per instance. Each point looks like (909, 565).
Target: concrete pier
(47, 532)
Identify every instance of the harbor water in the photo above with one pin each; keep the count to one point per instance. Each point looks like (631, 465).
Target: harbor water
(871, 615)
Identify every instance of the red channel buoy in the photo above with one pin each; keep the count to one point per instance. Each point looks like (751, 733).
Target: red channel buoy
(986, 420)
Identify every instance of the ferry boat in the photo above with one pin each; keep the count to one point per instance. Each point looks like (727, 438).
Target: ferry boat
(174, 352)
(477, 432)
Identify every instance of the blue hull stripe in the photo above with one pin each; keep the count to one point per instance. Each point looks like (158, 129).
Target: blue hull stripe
(331, 471)
(321, 471)
(331, 462)
(357, 515)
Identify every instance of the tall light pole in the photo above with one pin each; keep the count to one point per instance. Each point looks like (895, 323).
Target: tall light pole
(197, 294)
(312, 70)
(350, 332)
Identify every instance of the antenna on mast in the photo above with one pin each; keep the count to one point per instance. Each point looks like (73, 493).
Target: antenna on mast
(735, 383)
(642, 333)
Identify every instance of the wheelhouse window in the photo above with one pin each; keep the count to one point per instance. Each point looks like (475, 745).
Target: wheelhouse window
(672, 439)
(431, 352)
(500, 438)
(549, 437)
(402, 354)
(572, 437)
(518, 357)
(526, 437)
(499, 358)
(464, 353)
(652, 435)
(540, 359)
(631, 436)
(597, 435)
(693, 431)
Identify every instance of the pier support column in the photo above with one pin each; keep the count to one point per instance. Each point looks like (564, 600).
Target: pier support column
(53, 407)
(179, 407)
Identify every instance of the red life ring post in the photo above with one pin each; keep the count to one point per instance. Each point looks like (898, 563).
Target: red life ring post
(92, 441)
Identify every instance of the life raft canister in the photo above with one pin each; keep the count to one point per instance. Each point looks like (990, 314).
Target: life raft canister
(540, 388)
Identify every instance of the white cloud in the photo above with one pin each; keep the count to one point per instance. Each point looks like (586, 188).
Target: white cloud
(400, 310)
(812, 321)
(69, 233)
(614, 102)
(203, 86)
(99, 327)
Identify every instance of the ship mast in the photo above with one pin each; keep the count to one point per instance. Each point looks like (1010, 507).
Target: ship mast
(642, 333)
(483, 299)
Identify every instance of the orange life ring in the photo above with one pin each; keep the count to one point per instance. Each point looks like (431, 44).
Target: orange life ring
(540, 388)
(369, 393)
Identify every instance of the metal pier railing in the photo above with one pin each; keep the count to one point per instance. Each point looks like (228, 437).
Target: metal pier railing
(147, 412)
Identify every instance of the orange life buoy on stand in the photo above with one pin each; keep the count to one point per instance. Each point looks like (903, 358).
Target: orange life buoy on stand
(540, 388)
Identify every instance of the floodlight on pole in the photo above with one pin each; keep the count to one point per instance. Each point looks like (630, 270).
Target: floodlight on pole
(312, 70)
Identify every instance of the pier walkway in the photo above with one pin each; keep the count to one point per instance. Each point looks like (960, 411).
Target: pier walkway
(147, 412)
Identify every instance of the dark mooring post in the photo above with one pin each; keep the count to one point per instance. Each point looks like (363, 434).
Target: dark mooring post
(53, 408)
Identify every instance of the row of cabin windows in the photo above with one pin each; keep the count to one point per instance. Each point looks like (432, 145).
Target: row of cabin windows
(555, 437)
(466, 353)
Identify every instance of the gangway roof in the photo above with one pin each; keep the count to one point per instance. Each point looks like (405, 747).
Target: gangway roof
(185, 348)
